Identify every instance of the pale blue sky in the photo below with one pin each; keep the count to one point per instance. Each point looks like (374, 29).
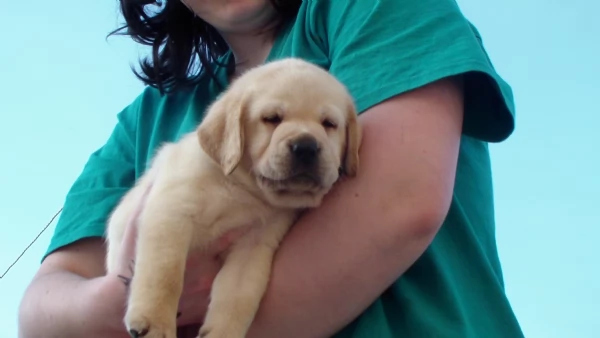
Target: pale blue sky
(62, 85)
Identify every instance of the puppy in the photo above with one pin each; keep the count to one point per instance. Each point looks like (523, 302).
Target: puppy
(273, 144)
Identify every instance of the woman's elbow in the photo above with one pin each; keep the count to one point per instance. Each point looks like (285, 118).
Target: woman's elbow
(418, 218)
(27, 311)
(428, 220)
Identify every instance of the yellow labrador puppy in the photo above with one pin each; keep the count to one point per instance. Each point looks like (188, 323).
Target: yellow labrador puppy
(271, 146)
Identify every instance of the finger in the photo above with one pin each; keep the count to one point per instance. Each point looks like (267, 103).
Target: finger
(126, 280)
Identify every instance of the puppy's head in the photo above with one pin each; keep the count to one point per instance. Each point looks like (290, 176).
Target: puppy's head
(288, 125)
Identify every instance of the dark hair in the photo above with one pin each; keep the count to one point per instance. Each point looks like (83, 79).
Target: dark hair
(179, 39)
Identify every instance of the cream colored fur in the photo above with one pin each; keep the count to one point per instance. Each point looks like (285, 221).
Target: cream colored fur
(236, 170)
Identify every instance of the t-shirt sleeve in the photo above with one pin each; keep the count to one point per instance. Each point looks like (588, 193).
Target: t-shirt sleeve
(107, 175)
(382, 48)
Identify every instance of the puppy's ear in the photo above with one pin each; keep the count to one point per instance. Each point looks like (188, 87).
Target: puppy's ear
(221, 134)
(353, 141)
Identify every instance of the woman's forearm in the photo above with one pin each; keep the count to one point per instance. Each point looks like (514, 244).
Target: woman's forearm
(61, 304)
(340, 257)
(54, 305)
(324, 276)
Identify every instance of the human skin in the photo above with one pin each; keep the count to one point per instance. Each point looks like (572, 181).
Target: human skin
(371, 228)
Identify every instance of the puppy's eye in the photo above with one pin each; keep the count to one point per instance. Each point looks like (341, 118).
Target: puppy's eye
(327, 124)
(272, 119)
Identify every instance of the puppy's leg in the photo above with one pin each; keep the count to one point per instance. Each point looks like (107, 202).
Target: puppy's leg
(241, 283)
(164, 236)
(128, 208)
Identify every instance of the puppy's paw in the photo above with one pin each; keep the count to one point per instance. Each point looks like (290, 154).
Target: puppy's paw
(150, 324)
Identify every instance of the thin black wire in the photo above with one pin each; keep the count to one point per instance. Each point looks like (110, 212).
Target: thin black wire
(30, 244)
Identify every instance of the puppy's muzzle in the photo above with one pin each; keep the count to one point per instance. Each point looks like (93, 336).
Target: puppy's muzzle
(302, 169)
(304, 153)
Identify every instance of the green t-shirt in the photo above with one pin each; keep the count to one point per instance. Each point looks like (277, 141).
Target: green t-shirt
(378, 48)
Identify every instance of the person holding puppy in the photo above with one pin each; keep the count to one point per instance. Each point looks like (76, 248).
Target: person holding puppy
(404, 249)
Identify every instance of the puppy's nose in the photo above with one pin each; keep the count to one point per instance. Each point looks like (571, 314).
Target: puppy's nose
(305, 149)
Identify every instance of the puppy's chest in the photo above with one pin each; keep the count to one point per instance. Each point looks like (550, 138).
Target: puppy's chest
(225, 213)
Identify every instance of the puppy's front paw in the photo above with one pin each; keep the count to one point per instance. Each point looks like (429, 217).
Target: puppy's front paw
(150, 323)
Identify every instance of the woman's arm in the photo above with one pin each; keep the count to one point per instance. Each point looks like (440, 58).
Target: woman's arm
(335, 261)
(62, 299)
(340, 257)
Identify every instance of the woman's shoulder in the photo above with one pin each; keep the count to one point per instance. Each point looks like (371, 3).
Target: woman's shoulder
(152, 118)
(383, 48)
